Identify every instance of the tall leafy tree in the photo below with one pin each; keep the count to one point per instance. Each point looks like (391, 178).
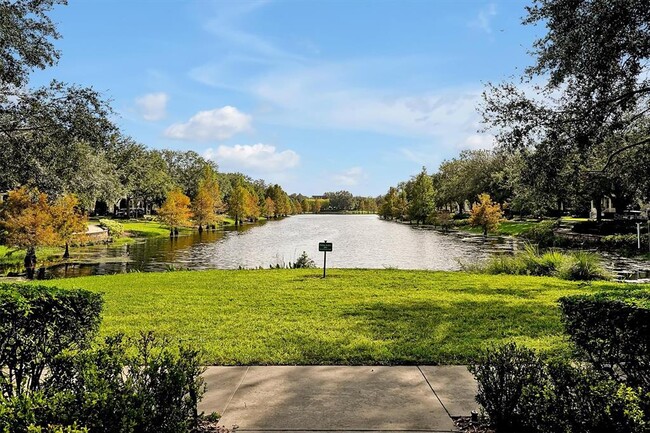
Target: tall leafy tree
(207, 203)
(423, 197)
(175, 211)
(26, 39)
(591, 107)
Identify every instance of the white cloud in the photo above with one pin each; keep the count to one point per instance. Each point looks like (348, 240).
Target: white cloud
(217, 124)
(260, 157)
(152, 106)
(484, 19)
(349, 177)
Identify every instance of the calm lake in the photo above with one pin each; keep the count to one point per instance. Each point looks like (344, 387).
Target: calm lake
(359, 241)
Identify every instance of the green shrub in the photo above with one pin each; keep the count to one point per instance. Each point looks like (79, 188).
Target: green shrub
(543, 233)
(575, 399)
(304, 262)
(141, 385)
(37, 324)
(578, 265)
(582, 266)
(613, 331)
(521, 393)
(627, 242)
(502, 374)
(114, 228)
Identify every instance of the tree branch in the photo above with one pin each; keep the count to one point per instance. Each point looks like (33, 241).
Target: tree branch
(621, 150)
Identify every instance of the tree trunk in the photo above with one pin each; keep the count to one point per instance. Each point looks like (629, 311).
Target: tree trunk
(66, 255)
(30, 262)
(200, 228)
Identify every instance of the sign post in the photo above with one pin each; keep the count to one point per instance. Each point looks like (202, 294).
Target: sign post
(324, 247)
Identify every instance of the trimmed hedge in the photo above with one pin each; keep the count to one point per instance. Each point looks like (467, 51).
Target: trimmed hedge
(37, 323)
(114, 228)
(613, 331)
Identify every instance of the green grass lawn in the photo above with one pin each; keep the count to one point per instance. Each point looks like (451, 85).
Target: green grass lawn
(352, 317)
(14, 256)
(506, 228)
(143, 228)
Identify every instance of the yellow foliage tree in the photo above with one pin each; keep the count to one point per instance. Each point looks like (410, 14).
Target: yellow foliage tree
(485, 214)
(69, 222)
(207, 202)
(175, 211)
(269, 207)
(28, 221)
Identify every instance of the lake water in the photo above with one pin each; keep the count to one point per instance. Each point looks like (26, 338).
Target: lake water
(359, 241)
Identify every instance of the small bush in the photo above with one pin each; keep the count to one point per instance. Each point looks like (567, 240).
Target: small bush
(304, 262)
(114, 228)
(502, 374)
(580, 400)
(139, 385)
(627, 242)
(543, 233)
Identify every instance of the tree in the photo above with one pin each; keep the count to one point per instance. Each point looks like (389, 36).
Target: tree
(28, 221)
(318, 204)
(306, 205)
(423, 196)
(269, 208)
(252, 208)
(485, 214)
(175, 212)
(237, 203)
(41, 131)
(389, 206)
(207, 202)
(186, 169)
(592, 106)
(26, 34)
(341, 200)
(68, 221)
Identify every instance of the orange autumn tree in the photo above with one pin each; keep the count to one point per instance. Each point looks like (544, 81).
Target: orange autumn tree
(175, 211)
(28, 220)
(207, 203)
(485, 214)
(69, 223)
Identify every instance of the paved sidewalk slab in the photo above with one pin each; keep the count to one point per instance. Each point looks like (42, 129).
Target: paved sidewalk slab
(221, 383)
(455, 387)
(335, 398)
(325, 398)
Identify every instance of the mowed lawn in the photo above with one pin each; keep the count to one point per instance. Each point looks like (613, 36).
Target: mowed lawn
(352, 317)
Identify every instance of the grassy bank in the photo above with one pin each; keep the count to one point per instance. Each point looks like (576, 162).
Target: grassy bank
(352, 317)
(506, 228)
(14, 256)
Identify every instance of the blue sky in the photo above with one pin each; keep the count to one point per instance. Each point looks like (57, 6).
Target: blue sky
(314, 95)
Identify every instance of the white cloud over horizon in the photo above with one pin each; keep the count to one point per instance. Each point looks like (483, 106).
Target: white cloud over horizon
(152, 106)
(349, 177)
(211, 125)
(260, 157)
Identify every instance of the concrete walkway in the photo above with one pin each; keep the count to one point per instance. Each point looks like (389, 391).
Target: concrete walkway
(339, 398)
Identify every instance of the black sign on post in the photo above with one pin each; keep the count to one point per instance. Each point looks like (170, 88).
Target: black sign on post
(324, 247)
